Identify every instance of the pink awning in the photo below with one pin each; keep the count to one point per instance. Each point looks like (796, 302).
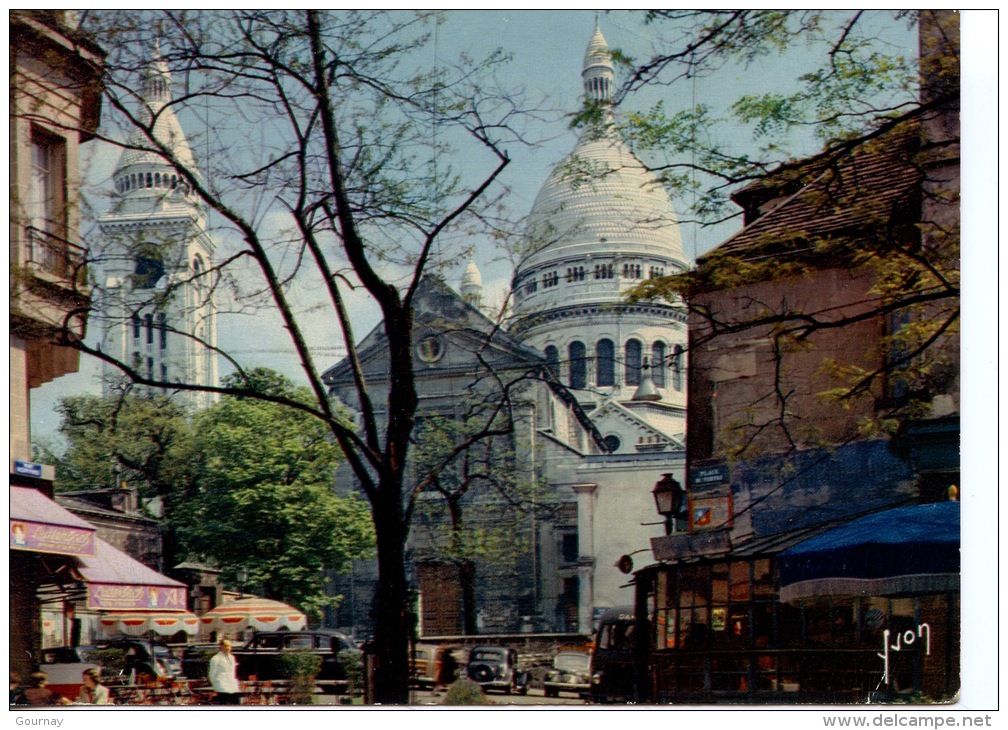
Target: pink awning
(40, 525)
(118, 582)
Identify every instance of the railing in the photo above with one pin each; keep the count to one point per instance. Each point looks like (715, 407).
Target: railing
(54, 255)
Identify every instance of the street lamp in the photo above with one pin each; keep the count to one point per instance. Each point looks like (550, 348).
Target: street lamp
(242, 576)
(668, 497)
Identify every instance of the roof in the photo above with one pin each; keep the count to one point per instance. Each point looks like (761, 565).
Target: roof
(840, 198)
(33, 506)
(110, 566)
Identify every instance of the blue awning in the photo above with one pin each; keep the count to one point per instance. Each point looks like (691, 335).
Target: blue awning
(904, 551)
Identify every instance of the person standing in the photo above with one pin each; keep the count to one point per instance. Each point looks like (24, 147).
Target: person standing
(223, 675)
(93, 692)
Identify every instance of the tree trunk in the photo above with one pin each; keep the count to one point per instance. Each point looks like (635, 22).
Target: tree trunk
(393, 617)
(467, 580)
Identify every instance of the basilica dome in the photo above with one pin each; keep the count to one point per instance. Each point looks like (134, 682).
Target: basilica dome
(602, 220)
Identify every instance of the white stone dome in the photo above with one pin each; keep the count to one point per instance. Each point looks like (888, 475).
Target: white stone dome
(140, 172)
(601, 200)
(602, 221)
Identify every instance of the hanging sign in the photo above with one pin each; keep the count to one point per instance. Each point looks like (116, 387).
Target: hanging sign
(45, 538)
(131, 597)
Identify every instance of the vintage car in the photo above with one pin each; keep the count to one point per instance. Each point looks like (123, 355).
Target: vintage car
(496, 667)
(434, 664)
(571, 673)
(262, 656)
(612, 662)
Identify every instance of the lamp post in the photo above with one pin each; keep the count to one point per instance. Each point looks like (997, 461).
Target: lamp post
(242, 575)
(668, 497)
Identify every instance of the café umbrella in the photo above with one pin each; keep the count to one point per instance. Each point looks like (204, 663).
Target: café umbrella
(139, 623)
(912, 550)
(257, 614)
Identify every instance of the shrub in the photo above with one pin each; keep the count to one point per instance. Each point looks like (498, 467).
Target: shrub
(465, 692)
(300, 667)
(352, 662)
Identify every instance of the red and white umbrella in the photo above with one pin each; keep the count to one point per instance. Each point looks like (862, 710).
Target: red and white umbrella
(138, 623)
(261, 614)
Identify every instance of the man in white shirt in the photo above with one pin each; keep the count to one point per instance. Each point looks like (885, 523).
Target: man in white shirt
(223, 675)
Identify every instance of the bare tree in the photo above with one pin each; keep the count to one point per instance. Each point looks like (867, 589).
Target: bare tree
(325, 165)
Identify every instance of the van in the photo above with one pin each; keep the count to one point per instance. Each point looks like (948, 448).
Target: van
(612, 664)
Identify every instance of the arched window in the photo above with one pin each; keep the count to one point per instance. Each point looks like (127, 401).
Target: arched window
(148, 267)
(578, 365)
(157, 179)
(605, 363)
(553, 360)
(677, 368)
(149, 322)
(162, 323)
(149, 180)
(658, 364)
(632, 360)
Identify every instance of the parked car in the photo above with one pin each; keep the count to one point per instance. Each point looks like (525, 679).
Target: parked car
(612, 663)
(146, 657)
(496, 667)
(262, 655)
(137, 656)
(571, 672)
(196, 659)
(434, 664)
(64, 666)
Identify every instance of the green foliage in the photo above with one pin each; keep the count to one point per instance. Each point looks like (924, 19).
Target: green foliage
(243, 483)
(464, 692)
(849, 79)
(352, 662)
(300, 668)
(266, 502)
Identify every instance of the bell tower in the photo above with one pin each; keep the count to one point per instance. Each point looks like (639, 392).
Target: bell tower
(157, 308)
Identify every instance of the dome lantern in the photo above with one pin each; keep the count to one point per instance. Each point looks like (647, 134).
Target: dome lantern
(598, 74)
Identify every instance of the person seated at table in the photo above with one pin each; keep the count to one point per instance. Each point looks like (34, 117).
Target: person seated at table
(40, 694)
(223, 675)
(17, 695)
(93, 692)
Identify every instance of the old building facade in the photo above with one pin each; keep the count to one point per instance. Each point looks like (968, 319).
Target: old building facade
(600, 416)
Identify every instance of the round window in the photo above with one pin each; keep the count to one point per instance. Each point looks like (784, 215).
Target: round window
(612, 443)
(431, 348)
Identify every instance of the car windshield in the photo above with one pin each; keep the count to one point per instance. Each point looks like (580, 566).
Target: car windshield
(573, 663)
(492, 655)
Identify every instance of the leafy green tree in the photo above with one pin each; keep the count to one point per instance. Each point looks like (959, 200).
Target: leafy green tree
(130, 439)
(265, 500)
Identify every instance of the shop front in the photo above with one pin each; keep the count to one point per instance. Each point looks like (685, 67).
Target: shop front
(718, 630)
(74, 588)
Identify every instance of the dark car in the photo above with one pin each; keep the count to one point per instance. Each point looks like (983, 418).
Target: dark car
(262, 656)
(571, 673)
(496, 667)
(612, 663)
(196, 660)
(146, 657)
(137, 655)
